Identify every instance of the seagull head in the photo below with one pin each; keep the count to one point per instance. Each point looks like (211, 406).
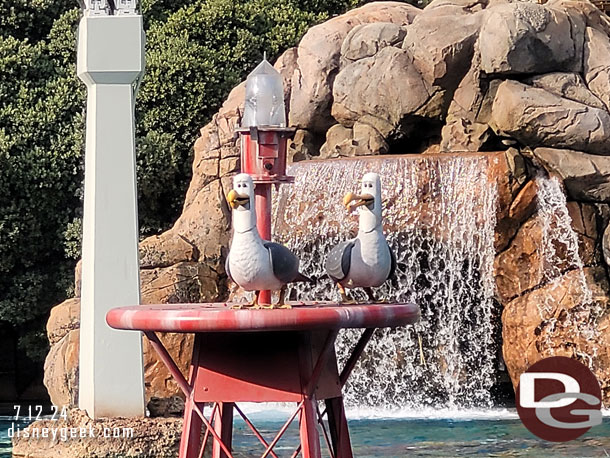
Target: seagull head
(241, 201)
(369, 202)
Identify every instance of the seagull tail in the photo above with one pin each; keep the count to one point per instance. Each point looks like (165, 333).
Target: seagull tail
(302, 278)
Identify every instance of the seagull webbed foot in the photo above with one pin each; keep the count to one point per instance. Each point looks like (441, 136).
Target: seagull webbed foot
(345, 299)
(254, 304)
(281, 303)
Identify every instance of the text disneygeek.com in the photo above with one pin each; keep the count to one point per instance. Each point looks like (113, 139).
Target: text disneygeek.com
(57, 433)
(65, 433)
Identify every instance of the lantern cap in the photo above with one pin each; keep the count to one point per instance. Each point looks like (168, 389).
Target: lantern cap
(264, 104)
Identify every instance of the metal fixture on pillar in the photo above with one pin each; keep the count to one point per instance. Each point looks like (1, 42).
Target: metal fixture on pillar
(264, 138)
(110, 63)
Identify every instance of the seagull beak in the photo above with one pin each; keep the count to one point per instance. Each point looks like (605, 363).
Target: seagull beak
(235, 199)
(363, 199)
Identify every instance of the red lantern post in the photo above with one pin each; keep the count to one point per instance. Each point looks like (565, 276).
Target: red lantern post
(264, 140)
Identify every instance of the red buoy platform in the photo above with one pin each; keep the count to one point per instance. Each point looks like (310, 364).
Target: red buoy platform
(263, 355)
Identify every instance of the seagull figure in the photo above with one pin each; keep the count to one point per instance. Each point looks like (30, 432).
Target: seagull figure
(366, 261)
(255, 264)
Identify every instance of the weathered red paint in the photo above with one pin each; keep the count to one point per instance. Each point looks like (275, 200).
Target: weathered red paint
(220, 317)
(263, 153)
(262, 355)
(262, 203)
(263, 157)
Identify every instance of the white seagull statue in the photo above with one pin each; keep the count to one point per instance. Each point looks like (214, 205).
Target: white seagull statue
(255, 264)
(366, 261)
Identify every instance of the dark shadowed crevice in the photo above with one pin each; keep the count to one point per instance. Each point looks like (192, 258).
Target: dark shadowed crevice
(414, 135)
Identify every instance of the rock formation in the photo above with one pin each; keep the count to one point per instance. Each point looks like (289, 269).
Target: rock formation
(459, 75)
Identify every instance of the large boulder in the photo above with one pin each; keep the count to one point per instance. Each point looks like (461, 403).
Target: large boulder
(585, 176)
(63, 318)
(441, 40)
(319, 58)
(366, 40)
(166, 250)
(183, 282)
(61, 370)
(380, 91)
(585, 10)
(158, 382)
(570, 86)
(524, 38)
(562, 318)
(359, 140)
(597, 64)
(455, 7)
(536, 117)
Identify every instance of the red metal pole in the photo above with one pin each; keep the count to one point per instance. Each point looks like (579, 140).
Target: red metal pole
(310, 441)
(262, 199)
(339, 431)
(223, 424)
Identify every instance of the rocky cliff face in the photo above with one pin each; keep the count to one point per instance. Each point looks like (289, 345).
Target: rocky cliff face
(460, 75)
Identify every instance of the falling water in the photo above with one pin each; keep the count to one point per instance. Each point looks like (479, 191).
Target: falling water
(439, 218)
(559, 248)
(559, 251)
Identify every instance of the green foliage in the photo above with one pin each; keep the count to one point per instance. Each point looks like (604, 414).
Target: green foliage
(196, 52)
(30, 19)
(41, 127)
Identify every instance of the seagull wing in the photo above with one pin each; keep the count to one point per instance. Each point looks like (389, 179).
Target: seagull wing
(339, 260)
(284, 263)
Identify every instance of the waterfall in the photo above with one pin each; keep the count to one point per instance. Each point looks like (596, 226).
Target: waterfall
(439, 218)
(559, 248)
(559, 251)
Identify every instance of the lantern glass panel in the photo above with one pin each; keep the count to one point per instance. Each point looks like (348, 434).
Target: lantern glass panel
(264, 105)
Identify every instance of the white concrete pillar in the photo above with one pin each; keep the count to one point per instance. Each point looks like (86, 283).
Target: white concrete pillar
(110, 61)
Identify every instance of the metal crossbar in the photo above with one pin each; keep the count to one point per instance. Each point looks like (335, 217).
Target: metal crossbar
(207, 432)
(254, 430)
(321, 421)
(283, 430)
